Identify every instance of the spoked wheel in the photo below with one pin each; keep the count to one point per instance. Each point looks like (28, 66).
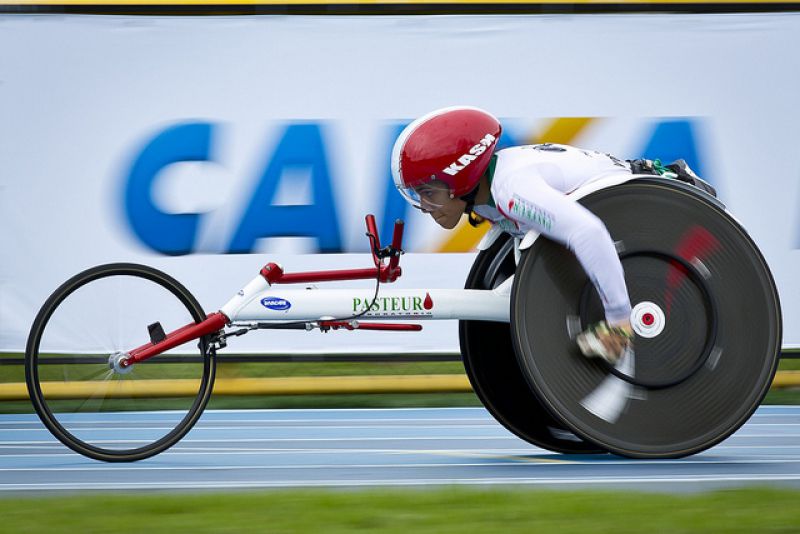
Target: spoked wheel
(493, 370)
(705, 312)
(84, 396)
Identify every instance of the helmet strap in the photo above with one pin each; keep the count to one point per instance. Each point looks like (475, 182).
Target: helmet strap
(474, 219)
(469, 198)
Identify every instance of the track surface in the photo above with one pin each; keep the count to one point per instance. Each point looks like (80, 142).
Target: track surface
(401, 447)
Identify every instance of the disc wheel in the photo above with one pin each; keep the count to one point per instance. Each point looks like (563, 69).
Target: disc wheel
(80, 392)
(705, 312)
(491, 364)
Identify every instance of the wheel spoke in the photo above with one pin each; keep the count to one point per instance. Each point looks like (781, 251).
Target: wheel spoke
(83, 401)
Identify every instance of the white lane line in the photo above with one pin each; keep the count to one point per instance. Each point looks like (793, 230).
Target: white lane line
(501, 431)
(504, 436)
(278, 450)
(299, 467)
(593, 481)
(312, 423)
(318, 423)
(525, 456)
(200, 451)
(523, 461)
(281, 440)
(766, 458)
(478, 412)
(219, 420)
(54, 445)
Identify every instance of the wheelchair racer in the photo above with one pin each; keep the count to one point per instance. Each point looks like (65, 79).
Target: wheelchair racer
(446, 164)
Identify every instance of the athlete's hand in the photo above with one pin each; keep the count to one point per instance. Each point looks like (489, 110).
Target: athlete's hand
(616, 339)
(607, 342)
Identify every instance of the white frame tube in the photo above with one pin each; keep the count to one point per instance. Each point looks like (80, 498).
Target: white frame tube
(259, 301)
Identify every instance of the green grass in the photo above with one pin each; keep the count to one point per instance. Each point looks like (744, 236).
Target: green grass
(456, 510)
(789, 364)
(397, 400)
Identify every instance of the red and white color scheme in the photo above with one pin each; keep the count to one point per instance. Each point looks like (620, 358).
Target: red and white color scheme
(335, 309)
(453, 145)
(260, 300)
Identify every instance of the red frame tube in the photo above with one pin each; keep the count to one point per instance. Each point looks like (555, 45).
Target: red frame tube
(386, 273)
(213, 323)
(327, 276)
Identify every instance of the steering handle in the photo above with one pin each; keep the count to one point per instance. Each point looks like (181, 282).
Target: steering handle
(391, 271)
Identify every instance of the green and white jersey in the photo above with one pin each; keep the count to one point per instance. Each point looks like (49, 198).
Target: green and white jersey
(529, 188)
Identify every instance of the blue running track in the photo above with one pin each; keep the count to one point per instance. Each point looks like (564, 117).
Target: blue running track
(392, 447)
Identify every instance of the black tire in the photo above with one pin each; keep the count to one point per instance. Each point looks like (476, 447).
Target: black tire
(492, 368)
(694, 381)
(86, 404)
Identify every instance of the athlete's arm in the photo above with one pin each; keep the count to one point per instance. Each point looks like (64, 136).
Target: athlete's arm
(533, 204)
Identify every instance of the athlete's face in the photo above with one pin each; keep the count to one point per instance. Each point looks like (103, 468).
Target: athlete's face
(436, 200)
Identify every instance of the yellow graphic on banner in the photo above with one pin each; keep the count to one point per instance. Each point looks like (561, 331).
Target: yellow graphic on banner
(465, 237)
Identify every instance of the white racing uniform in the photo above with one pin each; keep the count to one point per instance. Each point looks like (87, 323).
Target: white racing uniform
(529, 187)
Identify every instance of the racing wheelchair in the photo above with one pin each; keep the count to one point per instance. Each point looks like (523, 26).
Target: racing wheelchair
(705, 311)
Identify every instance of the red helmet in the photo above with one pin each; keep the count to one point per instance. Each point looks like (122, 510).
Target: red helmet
(453, 145)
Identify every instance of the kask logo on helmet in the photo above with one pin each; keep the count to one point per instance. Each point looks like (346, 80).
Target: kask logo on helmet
(454, 168)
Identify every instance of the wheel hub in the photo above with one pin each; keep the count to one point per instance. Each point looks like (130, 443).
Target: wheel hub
(116, 363)
(648, 319)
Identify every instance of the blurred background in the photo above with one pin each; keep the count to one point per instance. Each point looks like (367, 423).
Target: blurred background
(209, 137)
(207, 141)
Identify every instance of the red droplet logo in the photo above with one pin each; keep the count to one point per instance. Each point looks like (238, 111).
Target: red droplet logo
(428, 302)
(511, 204)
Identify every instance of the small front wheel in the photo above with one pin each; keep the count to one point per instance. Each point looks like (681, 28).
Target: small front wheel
(78, 384)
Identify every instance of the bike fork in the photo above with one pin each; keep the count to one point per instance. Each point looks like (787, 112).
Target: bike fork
(214, 322)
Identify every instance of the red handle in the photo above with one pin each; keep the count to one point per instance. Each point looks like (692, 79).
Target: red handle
(372, 229)
(274, 274)
(397, 243)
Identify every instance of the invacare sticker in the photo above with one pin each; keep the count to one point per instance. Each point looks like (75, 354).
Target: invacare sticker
(276, 303)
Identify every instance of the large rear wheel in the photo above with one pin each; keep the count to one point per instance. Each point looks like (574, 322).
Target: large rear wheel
(706, 315)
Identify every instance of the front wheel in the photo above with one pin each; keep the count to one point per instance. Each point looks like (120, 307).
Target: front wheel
(80, 392)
